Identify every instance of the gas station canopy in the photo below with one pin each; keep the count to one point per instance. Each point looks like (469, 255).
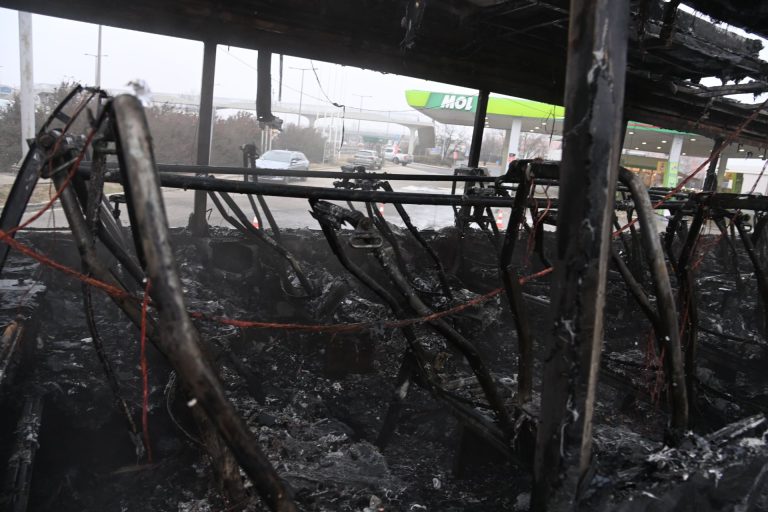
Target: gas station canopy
(536, 117)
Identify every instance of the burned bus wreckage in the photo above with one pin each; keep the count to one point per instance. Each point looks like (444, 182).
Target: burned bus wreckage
(582, 357)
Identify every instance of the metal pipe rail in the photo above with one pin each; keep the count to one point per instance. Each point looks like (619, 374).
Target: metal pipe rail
(302, 192)
(249, 171)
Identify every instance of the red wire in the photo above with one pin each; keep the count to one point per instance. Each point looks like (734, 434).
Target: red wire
(145, 373)
(537, 275)
(45, 260)
(75, 166)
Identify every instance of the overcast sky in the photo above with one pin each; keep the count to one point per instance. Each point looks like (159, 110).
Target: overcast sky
(172, 65)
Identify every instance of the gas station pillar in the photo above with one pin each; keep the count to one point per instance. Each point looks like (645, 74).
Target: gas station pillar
(673, 165)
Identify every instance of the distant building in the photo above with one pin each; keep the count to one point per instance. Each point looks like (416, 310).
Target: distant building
(6, 92)
(744, 175)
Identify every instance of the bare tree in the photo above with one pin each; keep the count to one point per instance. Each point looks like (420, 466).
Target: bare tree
(449, 136)
(533, 145)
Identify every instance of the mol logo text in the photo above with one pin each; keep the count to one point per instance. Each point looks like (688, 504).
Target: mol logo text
(457, 102)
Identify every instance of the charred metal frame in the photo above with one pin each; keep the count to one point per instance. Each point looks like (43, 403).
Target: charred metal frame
(580, 271)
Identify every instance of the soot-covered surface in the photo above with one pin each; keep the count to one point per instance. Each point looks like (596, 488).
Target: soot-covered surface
(317, 400)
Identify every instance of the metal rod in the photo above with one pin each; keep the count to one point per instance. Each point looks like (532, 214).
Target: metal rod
(514, 291)
(280, 190)
(272, 243)
(180, 340)
(477, 131)
(710, 182)
(270, 218)
(415, 348)
(19, 196)
(668, 331)
(455, 339)
(417, 235)
(687, 300)
(198, 224)
(762, 279)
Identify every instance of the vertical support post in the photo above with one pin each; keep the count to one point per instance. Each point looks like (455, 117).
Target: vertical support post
(513, 146)
(673, 165)
(594, 99)
(477, 132)
(27, 85)
(504, 151)
(412, 140)
(721, 168)
(198, 225)
(98, 60)
(710, 183)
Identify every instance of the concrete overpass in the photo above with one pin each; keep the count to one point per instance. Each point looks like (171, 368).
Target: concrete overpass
(417, 124)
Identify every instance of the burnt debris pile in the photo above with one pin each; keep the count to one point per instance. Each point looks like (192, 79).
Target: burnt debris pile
(370, 366)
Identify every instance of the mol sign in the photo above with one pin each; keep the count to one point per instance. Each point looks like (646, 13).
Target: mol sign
(452, 102)
(457, 102)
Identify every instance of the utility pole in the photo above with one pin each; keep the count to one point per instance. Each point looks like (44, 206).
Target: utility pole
(361, 96)
(98, 57)
(27, 85)
(301, 89)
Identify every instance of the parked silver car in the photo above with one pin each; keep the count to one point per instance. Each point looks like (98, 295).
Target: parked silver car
(368, 158)
(283, 159)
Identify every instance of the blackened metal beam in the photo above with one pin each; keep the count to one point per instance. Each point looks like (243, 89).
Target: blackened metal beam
(20, 194)
(514, 291)
(688, 304)
(264, 87)
(281, 190)
(667, 329)
(710, 183)
(477, 132)
(179, 339)
(594, 98)
(198, 225)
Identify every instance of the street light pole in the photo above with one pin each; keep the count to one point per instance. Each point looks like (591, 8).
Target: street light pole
(98, 61)
(301, 90)
(98, 57)
(26, 81)
(361, 96)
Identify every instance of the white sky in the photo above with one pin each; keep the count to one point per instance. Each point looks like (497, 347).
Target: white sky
(173, 65)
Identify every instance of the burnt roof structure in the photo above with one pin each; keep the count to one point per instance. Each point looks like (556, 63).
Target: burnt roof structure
(515, 47)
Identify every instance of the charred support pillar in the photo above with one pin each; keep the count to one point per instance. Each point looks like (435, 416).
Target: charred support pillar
(710, 183)
(477, 132)
(721, 168)
(198, 225)
(594, 95)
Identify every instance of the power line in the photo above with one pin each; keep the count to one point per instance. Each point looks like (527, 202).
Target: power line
(549, 112)
(314, 70)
